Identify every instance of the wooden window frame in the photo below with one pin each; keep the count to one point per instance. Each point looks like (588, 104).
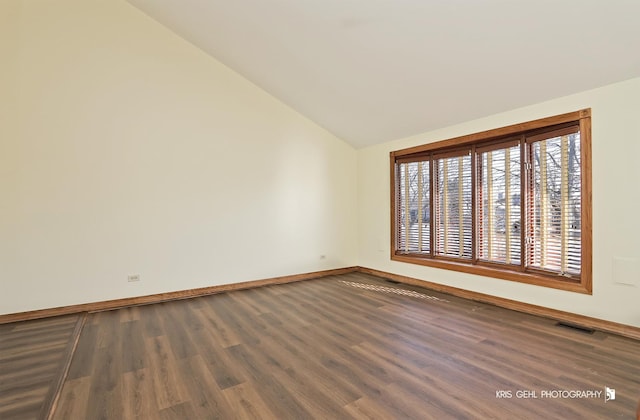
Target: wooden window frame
(487, 140)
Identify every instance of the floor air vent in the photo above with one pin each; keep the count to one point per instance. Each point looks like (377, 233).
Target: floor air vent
(575, 327)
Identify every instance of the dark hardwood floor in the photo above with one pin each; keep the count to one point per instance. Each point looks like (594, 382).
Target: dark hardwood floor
(33, 358)
(349, 346)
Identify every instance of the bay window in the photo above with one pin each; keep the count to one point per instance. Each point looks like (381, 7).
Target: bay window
(512, 203)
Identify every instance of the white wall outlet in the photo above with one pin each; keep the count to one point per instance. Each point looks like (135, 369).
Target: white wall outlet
(133, 277)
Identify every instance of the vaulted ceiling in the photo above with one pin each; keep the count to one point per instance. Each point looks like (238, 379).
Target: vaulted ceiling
(371, 71)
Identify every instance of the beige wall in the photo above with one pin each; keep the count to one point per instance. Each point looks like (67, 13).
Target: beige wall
(616, 207)
(126, 150)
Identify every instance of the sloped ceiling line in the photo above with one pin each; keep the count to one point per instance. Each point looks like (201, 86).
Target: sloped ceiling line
(376, 70)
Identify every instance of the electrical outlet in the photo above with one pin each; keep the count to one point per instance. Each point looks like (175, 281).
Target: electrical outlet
(133, 277)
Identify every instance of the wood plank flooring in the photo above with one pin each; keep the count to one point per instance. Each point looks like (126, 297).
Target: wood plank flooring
(341, 347)
(33, 357)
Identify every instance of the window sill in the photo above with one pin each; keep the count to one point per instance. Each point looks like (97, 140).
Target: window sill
(553, 281)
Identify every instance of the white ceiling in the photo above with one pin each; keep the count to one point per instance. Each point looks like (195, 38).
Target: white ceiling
(371, 71)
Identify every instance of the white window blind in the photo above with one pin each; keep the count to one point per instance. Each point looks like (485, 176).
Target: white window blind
(414, 202)
(499, 207)
(554, 216)
(453, 210)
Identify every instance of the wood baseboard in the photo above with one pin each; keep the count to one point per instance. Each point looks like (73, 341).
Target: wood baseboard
(582, 320)
(163, 297)
(568, 317)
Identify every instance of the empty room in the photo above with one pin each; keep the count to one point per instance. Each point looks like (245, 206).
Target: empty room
(249, 209)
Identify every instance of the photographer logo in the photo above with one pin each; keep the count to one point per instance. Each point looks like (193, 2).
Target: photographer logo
(609, 394)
